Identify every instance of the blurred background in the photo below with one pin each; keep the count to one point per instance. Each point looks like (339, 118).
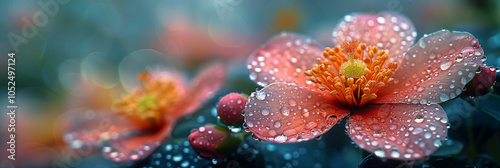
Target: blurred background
(75, 55)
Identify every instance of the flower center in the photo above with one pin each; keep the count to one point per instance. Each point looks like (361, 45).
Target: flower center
(146, 105)
(353, 72)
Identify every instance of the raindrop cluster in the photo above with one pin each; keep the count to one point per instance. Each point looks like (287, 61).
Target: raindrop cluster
(445, 72)
(301, 116)
(299, 51)
(400, 131)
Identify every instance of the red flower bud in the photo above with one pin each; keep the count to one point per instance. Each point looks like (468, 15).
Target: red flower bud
(482, 82)
(230, 107)
(213, 141)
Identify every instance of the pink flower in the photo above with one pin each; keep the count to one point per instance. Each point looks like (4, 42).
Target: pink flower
(389, 88)
(140, 121)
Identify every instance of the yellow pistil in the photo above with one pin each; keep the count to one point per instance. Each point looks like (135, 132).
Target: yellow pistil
(146, 105)
(353, 72)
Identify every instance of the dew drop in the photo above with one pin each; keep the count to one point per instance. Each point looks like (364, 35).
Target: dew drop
(249, 123)
(395, 154)
(432, 128)
(432, 56)
(381, 20)
(280, 138)
(310, 125)
(393, 127)
(265, 111)
(444, 120)
(459, 59)
(379, 153)
(470, 75)
(420, 89)
(290, 132)
(202, 129)
(484, 58)
(377, 134)
(134, 157)
(422, 43)
(419, 119)
(437, 143)
(285, 111)
(444, 97)
(463, 80)
(277, 124)
(253, 76)
(260, 95)
(417, 130)
(292, 102)
(427, 135)
(445, 65)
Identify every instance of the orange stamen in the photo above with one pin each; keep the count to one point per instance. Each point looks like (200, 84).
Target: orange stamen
(146, 105)
(353, 90)
(349, 46)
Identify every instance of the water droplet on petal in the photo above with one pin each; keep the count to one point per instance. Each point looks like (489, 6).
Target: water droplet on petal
(417, 130)
(285, 111)
(260, 95)
(393, 127)
(395, 154)
(420, 89)
(379, 153)
(310, 125)
(445, 65)
(280, 138)
(253, 76)
(463, 80)
(265, 111)
(422, 43)
(437, 143)
(427, 135)
(277, 124)
(419, 119)
(444, 97)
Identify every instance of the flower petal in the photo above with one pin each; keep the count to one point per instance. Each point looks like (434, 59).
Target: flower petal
(134, 148)
(435, 70)
(388, 31)
(399, 131)
(88, 128)
(206, 84)
(284, 58)
(285, 112)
